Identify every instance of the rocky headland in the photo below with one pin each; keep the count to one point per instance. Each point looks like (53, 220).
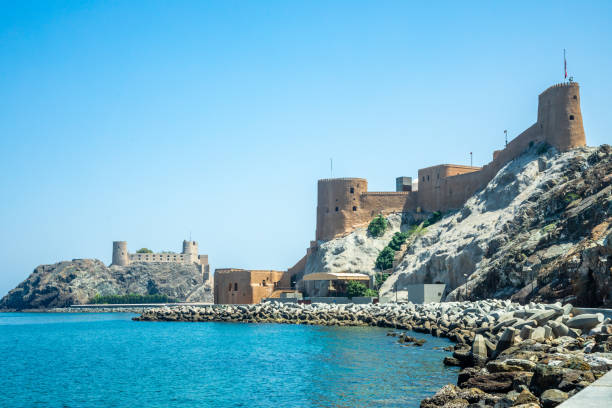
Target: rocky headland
(78, 281)
(540, 231)
(534, 355)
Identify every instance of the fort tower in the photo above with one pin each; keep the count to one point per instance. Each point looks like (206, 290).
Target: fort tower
(337, 203)
(120, 253)
(190, 249)
(560, 118)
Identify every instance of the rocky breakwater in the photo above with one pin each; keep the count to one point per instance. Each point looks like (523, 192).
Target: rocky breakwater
(511, 355)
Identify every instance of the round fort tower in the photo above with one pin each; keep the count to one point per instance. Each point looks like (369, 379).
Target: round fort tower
(190, 248)
(560, 117)
(338, 200)
(120, 253)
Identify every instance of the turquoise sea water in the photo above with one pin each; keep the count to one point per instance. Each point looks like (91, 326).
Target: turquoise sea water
(107, 360)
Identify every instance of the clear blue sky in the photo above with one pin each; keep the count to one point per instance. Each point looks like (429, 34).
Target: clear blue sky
(147, 120)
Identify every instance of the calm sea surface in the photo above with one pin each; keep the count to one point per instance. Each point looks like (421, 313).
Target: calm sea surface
(107, 360)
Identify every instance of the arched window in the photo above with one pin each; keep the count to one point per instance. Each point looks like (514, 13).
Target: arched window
(263, 282)
(236, 286)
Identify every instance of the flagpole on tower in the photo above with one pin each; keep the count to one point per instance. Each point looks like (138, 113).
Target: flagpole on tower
(564, 65)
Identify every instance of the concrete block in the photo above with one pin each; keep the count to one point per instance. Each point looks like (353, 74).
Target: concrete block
(559, 329)
(585, 321)
(526, 332)
(538, 333)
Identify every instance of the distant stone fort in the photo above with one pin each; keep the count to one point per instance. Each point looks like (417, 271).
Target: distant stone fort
(345, 203)
(121, 257)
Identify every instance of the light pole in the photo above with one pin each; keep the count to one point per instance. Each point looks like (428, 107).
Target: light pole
(395, 287)
(506, 134)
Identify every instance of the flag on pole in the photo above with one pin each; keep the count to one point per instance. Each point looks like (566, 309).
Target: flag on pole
(564, 64)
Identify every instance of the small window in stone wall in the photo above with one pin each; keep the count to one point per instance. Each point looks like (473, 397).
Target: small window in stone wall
(571, 117)
(352, 190)
(236, 286)
(230, 287)
(428, 177)
(336, 209)
(354, 208)
(575, 97)
(423, 178)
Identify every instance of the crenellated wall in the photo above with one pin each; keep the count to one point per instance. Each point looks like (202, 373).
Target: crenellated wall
(121, 257)
(345, 204)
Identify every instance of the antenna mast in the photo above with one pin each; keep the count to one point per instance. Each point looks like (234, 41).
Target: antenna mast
(564, 65)
(331, 168)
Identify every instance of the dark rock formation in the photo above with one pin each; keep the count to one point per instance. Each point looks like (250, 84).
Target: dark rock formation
(77, 281)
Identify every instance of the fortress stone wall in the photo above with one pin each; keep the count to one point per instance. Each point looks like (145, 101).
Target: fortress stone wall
(121, 256)
(344, 204)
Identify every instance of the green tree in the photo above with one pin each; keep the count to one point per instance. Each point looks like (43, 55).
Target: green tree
(380, 279)
(433, 218)
(378, 226)
(398, 239)
(370, 293)
(355, 289)
(385, 258)
(144, 251)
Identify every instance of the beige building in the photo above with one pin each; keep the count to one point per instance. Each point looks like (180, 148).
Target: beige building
(241, 286)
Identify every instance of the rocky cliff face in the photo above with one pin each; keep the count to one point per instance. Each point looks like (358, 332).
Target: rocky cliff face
(541, 230)
(77, 281)
(538, 231)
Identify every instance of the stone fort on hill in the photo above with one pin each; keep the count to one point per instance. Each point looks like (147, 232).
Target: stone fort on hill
(121, 257)
(344, 204)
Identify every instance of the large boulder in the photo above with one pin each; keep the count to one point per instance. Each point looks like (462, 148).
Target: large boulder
(585, 321)
(552, 398)
(479, 350)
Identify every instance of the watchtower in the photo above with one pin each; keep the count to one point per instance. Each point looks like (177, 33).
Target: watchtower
(338, 201)
(120, 253)
(190, 248)
(560, 117)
